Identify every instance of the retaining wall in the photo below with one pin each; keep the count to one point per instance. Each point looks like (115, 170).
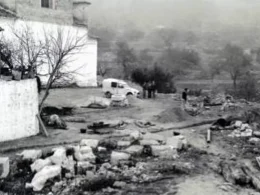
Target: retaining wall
(19, 106)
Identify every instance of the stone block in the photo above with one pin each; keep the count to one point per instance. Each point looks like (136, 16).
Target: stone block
(147, 142)
(85, 149)
(4, 167)
(84, 166)
(116, 157)
(123, 143)
(31, 154)
(93, 143)
(135, 150)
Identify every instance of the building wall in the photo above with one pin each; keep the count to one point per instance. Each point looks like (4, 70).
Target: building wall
(32, 10)
(19, 106)
(8, 3)
(83, 63)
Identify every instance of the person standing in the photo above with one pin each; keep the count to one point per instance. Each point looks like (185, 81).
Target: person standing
(144, 89)
(184, 97)
(153, 89)
(149, 89)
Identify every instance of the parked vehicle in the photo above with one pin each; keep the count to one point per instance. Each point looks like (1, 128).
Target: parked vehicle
(118, 87)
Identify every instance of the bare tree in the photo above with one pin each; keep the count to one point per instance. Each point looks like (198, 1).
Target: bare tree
(125, 57)
(28, 51)
(59, 48)
(102, 69)
(235, 62)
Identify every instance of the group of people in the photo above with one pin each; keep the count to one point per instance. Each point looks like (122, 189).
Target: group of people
(149, 89)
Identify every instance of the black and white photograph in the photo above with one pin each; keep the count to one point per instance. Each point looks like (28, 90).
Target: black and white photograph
(129, 97)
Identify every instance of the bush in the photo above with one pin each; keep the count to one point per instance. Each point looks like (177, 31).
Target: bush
(163, 79)
(246, 89)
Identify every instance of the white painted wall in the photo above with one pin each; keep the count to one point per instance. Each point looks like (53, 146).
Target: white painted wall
(84, 62)
(19, 106)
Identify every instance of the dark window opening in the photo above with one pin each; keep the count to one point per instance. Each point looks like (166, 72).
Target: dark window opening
(114, 84)
(47, 3)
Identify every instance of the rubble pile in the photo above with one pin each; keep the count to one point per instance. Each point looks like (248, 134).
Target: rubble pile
(93, 165)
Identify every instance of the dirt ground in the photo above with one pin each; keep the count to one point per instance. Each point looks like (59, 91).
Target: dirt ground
(204, 181)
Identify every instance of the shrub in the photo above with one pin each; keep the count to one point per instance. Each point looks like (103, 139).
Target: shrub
(163, 79)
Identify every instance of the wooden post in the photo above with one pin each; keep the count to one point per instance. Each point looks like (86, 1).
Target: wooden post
(42, 126)
(208, 136)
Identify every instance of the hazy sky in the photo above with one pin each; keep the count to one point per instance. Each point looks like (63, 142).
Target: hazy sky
(184, 14)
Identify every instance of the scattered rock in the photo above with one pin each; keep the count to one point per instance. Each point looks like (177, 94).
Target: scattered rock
(4, 167)
(93, 143)
(136, 135)
(116, 157)
(102, 149)
(254, 140)
(134, 150)
(31, 154)
(84, 166)
(164, 152)
(85, 149)
(123, 143)
(42, 176)
(59, 156)
(238, 124)
(256, 134)
(40, 164)
(177, 142)
(119, 184)
(88, 157)
(147, 142)
(108, 143)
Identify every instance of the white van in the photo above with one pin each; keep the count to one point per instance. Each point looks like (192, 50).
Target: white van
(118, 87)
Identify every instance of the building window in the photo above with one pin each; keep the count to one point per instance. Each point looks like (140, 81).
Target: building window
(48, 3)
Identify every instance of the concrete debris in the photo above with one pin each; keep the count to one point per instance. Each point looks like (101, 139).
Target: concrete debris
(84, 166)
(85, 149)
(42, 176)
(93, 143)
(123, 143)
(119, 184)
(254, 140)
(4, 167)
(116, 157)
(164, 152)
(177, 142)
(147, 142)
(40, 164)
(136, 136)
(102, 149)
(134, 150)
(88, 157)
(59, 156)
(256, 134)
(31, 154)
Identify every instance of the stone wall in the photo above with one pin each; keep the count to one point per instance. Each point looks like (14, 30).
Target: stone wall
(19, 106)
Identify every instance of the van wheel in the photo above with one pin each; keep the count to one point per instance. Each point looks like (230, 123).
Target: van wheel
(129, 94)
(108, 94)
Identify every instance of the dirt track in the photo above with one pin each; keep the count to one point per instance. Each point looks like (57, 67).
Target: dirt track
(204, 181)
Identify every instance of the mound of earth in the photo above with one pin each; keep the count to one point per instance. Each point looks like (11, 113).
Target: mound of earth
(175, 114)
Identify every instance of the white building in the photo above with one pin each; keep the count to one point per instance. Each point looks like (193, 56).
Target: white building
(49, 16)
